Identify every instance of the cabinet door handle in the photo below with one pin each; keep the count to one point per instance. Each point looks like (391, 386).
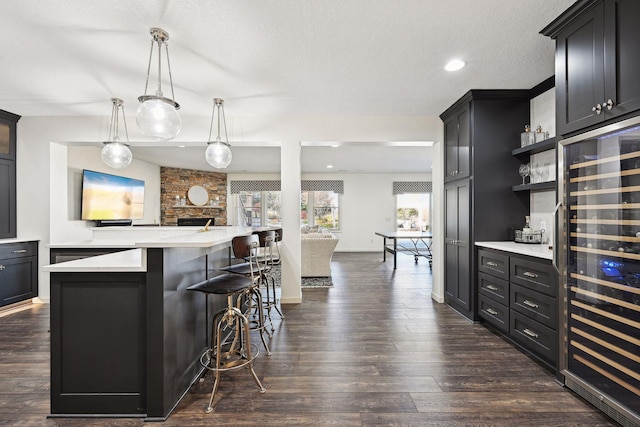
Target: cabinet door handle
(530, 274)
(22, 251)
(530, 304)
(492, 288)
(597, 108)
(608, 104)
(530, 333)
(492, 312)
(2, 267)
(492, 264)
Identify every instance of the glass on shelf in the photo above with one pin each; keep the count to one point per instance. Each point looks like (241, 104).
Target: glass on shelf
(526, 137)
(524, 171)
(539, 135)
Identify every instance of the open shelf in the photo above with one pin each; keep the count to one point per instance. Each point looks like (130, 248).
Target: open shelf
(538, 147)
(538, 186)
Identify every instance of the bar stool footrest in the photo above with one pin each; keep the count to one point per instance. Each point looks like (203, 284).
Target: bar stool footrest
(239, 361)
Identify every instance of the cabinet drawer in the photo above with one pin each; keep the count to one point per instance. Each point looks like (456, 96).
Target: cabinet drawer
(494, 288)
(18, 250)
(535, 305)
(534, 336)
(534, 275)
(494, 263)
(494, 313)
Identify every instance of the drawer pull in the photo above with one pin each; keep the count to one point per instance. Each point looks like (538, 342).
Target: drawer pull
(492, 288)
(492, 264)
(530, 304)
(492, 312)
(2, 267)
(530, 274)
(22, 251)
(530, 333)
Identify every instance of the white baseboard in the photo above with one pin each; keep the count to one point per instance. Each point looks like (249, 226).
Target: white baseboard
(291, 300)
(437, 298)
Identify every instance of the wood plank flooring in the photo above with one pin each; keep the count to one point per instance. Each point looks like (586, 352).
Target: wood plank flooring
(374, 350)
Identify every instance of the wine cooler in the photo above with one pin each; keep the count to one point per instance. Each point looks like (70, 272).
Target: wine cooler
(599, 259)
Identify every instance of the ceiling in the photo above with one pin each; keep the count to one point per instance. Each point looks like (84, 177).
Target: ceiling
(272, 57)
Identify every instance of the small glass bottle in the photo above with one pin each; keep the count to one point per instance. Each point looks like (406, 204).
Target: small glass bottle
(539, 135)
(527, 227)
(177, 201)
(526, 137)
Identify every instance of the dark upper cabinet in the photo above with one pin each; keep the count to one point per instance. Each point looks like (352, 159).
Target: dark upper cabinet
(597, 63)
(457, 144)
(481, 130)
(8, 123)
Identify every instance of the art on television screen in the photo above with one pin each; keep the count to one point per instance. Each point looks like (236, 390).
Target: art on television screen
(106, 196)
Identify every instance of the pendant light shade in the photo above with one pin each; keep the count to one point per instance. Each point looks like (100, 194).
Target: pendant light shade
(158, 116)
(218, 153)
(114, 153)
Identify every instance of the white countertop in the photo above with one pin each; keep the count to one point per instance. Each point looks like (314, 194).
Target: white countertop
(3, 241)
(537, 250)
(134, 260)
(157, 237)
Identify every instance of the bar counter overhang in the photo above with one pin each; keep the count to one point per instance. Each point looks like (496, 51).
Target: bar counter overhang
(126, 335)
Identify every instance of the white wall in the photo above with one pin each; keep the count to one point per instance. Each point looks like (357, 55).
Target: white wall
(543, 113)
(42, 200)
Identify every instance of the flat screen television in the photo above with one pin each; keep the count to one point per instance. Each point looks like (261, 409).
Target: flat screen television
(111, 197)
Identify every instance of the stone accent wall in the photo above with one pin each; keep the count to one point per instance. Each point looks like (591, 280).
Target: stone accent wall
(176, 182)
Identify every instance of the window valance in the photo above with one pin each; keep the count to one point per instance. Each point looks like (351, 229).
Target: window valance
(402, 187)
(337, 186)
(254, 185)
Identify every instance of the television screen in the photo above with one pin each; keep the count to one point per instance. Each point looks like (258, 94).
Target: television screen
(106, 197)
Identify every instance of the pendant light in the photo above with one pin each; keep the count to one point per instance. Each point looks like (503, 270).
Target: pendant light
(218, 152)
(158, 116)
(114, 153)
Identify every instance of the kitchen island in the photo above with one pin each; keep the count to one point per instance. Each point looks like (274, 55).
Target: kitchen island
(126, 335)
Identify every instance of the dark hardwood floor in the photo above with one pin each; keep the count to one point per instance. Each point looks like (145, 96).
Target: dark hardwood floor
(374, 350)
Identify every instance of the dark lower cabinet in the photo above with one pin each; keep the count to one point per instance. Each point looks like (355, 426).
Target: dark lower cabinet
(98, 344)
(523, 308)
(18, 272)
(458, 291)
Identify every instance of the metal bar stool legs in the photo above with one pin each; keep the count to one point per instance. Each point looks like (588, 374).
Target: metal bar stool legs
(231, 346)
(238, 354)
(254, 309)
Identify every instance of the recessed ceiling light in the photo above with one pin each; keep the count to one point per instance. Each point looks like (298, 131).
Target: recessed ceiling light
(454, 65)
(329, 166)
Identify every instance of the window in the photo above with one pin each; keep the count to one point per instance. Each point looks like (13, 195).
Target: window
(413, 211)
(259, 208)
(320, 208)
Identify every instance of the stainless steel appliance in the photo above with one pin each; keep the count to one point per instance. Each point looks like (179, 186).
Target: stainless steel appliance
(599, 259)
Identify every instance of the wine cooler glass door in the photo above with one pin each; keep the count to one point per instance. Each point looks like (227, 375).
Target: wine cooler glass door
(602, 228)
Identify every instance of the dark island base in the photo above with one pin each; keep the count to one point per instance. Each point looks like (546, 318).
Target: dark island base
(128, 344)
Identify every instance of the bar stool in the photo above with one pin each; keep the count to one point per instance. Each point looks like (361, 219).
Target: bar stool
(246, 248)
(267, 241)
(276, 258)
(232, 349)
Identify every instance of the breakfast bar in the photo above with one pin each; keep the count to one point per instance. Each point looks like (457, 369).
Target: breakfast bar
(126, 335)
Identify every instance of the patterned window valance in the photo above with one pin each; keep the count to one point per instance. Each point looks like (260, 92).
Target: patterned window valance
(323, 185)
(401, 187)
(254, 185)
